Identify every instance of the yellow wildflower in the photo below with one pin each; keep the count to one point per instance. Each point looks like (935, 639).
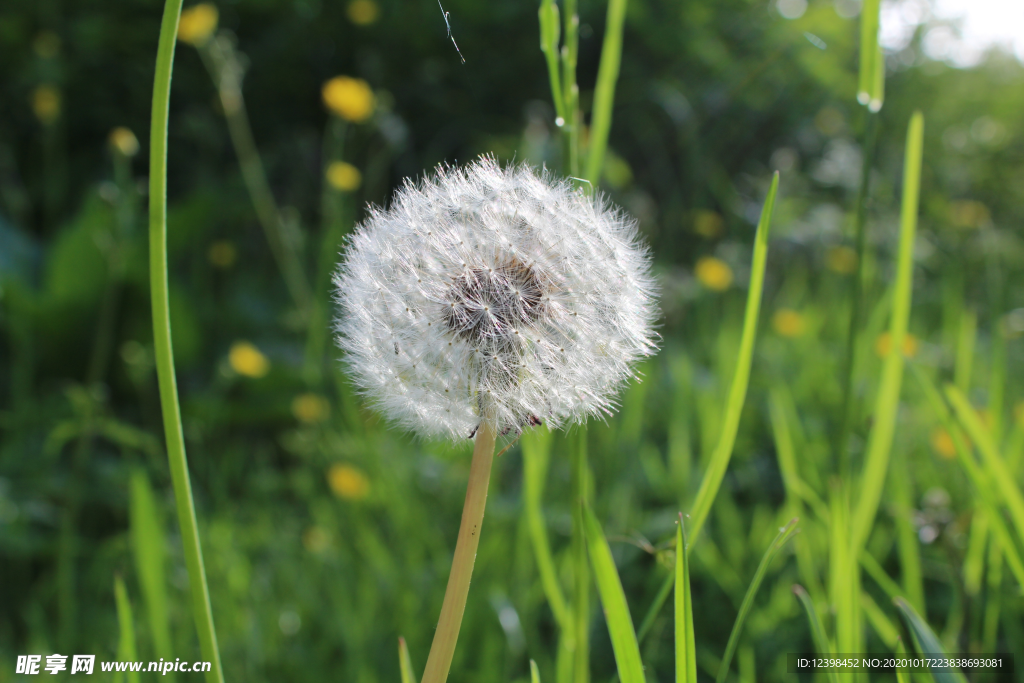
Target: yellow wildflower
(46, 104)
(350, 98)
(788, 323)
(315, 539)
(124, 141)
(348, 482)
(842, 260)
(943, 444)
(967, 213)
(708, 223)
(310, 408)
(197, 24)
(713, 273)
(883, 344)
(363, 12)
(343, 176)
(247, 360)
(222, 254)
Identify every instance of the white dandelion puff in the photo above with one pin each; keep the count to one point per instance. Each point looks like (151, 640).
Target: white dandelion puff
(497, 293)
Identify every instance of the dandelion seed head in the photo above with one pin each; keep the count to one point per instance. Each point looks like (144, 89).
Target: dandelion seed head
(494, 291)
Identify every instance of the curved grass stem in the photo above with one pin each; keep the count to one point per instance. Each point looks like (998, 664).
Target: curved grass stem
(162, 349)
(442, 650)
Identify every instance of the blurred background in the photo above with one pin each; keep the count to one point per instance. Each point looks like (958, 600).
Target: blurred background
(328, 534)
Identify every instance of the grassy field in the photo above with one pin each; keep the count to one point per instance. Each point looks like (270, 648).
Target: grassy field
(835, 415)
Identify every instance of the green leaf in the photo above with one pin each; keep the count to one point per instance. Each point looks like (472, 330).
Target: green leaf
(405, 662)
(613, 600)
(879, 446)
(925, 642)
(126, 651)
(785, 533)
(686, 649)
(148, 550)
(741, 378)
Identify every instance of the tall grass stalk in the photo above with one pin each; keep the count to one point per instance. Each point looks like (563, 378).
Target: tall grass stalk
(738, 392)
(126, 650)
(580, 606)
(604, 92)
(887, 402)
(785, 533)
(162, 349)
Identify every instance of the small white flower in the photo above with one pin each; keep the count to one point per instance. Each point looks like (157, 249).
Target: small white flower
(493, 292)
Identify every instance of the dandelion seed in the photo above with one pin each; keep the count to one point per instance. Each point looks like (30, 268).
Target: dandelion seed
(522, 286)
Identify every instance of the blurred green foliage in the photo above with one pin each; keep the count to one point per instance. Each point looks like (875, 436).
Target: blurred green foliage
(327, 534)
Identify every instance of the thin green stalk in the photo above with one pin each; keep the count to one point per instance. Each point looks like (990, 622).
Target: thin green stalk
(883, 430)
(335, 220)
(570, 90)
(859, 288)
(906, 537)
(580, 607)
(535, 447)
(817, 630)
(221, 62)
(869, 22)
(163, 353)
(604, 92)
(549, 36)
(787, 532)
(738, 392)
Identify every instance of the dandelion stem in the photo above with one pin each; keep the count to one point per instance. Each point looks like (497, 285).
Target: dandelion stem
(443, 648)
(163, 352)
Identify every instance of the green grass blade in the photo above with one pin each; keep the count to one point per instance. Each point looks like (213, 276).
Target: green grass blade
(738, 391)
(580, 608)
(549, 35)
(686, 649)
(901, 651)
(906, 537)
(987, 498)
(405, 662)
(878, 82)
(126, 650)
(925, 642)
(887, 403)
(536, 447)
(869, 20)
(876, 572)
(817, 630)
(656, 605)
(888, 633)
(613, 599)
(785, 533)
(994, 465)
(148, 550)
(534, 673)
(604, 92)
